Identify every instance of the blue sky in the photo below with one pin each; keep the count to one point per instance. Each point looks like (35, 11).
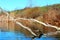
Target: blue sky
(20, 4)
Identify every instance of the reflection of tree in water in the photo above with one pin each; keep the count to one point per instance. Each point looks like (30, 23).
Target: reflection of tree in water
(51, 19)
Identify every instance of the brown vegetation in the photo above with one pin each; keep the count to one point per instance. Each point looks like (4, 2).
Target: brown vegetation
(51, 16)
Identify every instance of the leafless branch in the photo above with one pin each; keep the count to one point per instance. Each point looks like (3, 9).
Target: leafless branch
(46, 25)
(12, 19)
(34, 20)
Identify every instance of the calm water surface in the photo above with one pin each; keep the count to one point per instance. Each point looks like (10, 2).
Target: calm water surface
(20, 36)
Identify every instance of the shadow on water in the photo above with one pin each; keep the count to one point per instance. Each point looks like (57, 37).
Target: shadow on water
(20, 36)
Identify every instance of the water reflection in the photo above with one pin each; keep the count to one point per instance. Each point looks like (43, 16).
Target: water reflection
(20, 36)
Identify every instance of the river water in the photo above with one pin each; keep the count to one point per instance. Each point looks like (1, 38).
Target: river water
(20, 36)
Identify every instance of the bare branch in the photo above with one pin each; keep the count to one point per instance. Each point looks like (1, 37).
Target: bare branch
(34, 20)
(46, 25)
(51, 33)
(19, 23)
(26, 28)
